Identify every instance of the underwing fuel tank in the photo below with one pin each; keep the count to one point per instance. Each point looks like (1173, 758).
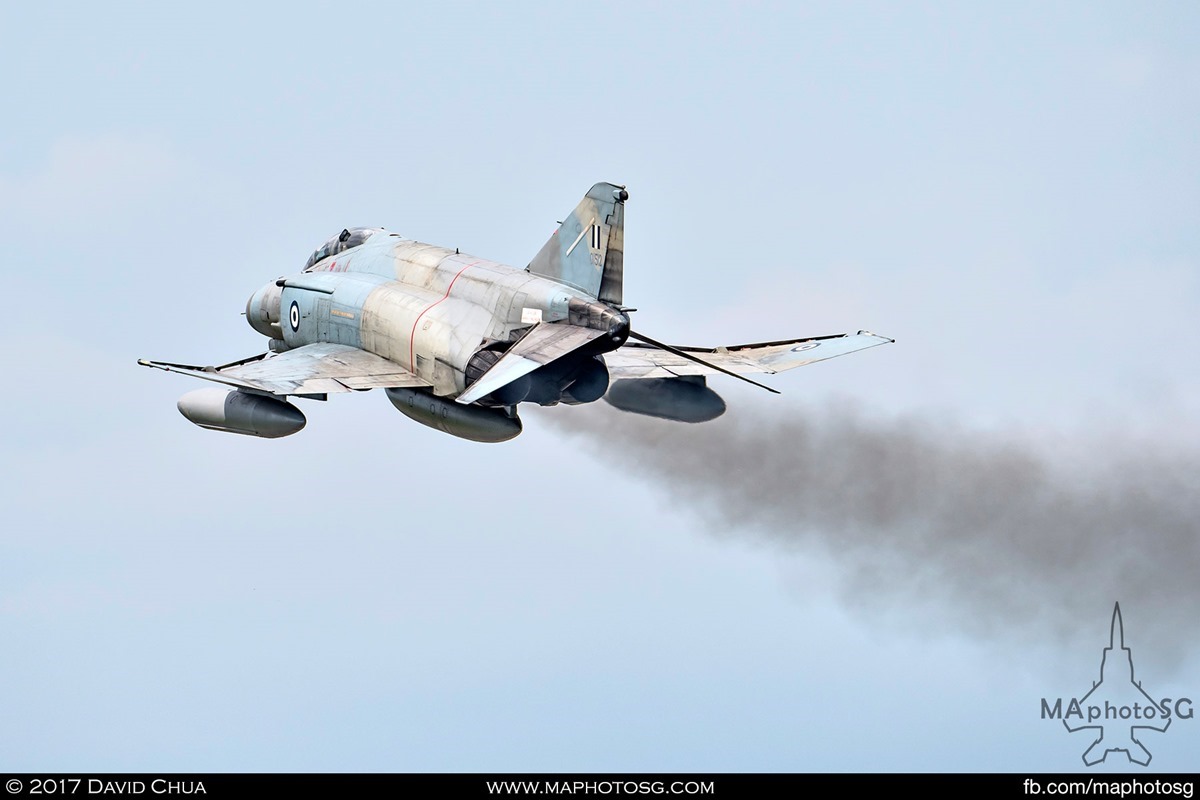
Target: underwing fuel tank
(466, 422)
(241, 412)
(685, 399)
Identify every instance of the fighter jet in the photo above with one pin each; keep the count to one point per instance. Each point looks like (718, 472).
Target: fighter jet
(458, 343)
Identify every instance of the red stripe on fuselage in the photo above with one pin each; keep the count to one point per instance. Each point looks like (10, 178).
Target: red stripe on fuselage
(412, 337)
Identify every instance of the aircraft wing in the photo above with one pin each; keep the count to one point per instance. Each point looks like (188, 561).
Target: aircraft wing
(634, 360)
(321, 368)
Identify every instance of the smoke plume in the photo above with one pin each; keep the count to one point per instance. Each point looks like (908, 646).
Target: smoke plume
(984, 533)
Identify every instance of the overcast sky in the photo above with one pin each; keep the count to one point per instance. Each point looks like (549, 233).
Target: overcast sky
(1011, 191)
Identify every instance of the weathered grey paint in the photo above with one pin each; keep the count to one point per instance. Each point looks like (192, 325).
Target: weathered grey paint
(373, 309)
(441, 307)
(314, 369)
(587, 250)
(644, 361)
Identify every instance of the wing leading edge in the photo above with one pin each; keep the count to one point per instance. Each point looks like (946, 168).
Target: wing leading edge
(322, 368)
(634, 361)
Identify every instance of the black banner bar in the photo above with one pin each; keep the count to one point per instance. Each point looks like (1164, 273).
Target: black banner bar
(699, 785)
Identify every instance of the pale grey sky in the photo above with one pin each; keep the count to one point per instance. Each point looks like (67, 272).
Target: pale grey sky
(1010, 191)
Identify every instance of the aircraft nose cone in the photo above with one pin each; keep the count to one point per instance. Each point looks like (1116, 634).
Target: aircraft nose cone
(262, 311)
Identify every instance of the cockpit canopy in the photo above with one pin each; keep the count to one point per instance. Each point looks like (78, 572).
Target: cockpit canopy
(349, 237)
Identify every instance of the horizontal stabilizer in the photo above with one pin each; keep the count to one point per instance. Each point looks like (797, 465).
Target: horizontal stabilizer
(542, 344)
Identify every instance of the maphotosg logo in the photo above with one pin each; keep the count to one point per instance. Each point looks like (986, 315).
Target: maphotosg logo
(1117, 709)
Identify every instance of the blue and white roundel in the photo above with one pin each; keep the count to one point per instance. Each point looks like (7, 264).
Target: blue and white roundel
(294, 316)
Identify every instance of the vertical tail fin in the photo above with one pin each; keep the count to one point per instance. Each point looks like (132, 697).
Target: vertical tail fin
(588, 249)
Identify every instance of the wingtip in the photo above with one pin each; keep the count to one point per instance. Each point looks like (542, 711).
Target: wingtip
(887, 339)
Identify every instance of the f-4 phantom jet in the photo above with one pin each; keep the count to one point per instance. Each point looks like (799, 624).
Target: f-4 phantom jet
(459, 342)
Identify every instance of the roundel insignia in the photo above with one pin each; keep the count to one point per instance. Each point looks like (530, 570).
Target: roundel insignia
(294, 316)
(800, 348)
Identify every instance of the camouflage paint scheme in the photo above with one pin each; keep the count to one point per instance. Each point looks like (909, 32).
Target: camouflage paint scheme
(432, 326)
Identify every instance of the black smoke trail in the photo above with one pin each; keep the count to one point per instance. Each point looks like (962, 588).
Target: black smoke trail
(999, 536)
